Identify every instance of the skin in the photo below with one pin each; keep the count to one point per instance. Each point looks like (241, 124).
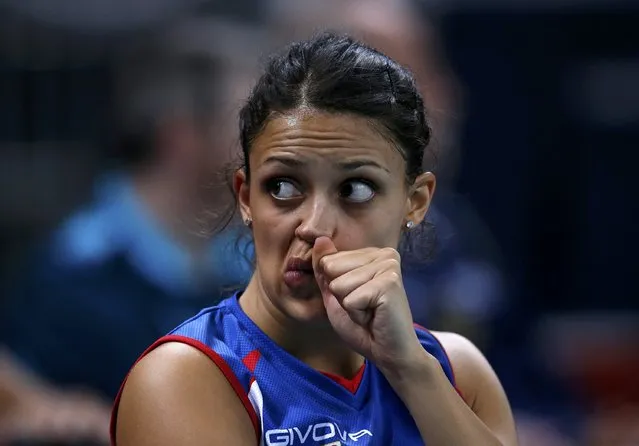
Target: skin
(33, 410)
(306, 202)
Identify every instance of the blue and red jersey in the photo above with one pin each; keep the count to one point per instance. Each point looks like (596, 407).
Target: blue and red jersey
(291, 403)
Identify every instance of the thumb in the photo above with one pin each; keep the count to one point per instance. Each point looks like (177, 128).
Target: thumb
(323, 246)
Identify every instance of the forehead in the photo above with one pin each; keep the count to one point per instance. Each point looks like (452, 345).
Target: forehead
(313, 136)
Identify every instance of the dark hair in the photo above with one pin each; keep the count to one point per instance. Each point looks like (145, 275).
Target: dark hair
(336, 73)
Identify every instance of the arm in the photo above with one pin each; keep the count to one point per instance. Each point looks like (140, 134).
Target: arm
(367, 306)
(176, 396)
(31, 409)
(35, 354)
(483, 417)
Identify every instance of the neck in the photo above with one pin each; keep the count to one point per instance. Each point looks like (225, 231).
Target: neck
(313, 342)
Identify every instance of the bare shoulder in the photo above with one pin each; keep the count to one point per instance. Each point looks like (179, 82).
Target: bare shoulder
(460, 350)
(470, 366)
(457, 346)
(479, 385)
(177, 395)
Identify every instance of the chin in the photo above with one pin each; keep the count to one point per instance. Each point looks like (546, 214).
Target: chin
(308, 307)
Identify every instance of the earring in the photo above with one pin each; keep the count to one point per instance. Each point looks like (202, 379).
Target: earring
(248, 222)
(410, 224)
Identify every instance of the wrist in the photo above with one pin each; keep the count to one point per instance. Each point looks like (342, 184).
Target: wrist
(419, 367)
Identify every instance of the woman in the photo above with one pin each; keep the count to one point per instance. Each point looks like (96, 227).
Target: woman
(320, 348)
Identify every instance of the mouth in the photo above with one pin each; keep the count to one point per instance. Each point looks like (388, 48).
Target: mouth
(299, 273)
(299, 264)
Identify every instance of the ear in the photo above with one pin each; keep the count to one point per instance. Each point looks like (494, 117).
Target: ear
(420, 196)
(242, 192)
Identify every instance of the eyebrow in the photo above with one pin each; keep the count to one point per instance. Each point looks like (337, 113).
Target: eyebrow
(346, 165)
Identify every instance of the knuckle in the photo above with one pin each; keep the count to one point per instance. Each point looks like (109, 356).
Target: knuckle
(336, 286)
(348, 303)
(391, 253)
(394, 277)
(325, 264)
(392, 264)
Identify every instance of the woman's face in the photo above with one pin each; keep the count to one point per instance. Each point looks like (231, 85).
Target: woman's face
(320, 174)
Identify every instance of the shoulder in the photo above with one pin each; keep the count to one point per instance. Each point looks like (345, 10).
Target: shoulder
(216, 328)
(459, 349)
(474, 376)
(479, 386)
(81, 241)
(99, 228)
(176, 395)
(86, 238)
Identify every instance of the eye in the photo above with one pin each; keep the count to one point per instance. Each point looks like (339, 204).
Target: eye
(282, 189)
(357, 191)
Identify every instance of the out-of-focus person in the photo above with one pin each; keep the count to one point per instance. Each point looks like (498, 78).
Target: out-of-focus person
(136, 260)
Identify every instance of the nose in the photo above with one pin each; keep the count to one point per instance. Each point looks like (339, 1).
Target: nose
(319, 218)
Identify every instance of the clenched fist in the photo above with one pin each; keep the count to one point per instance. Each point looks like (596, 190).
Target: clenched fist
(366, 303)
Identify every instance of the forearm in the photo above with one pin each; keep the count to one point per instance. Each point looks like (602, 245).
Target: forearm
(32, 409)
(18, 386)
(441, 415)
(17, 377)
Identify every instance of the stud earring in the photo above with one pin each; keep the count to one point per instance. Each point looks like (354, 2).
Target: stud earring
(248, 222)
(410, 224)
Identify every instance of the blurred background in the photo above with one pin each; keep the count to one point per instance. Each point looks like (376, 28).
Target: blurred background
(118, 120)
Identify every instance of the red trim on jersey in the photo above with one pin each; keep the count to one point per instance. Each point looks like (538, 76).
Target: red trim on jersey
(452, 368)
(213, 356)
(251, 360)
(350, 384)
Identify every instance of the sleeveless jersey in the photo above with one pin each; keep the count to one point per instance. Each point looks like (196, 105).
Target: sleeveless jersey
(290, 403)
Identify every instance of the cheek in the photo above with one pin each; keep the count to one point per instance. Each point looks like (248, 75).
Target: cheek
(380, 232)
(272, 228)
(379, 227)
(385, 224)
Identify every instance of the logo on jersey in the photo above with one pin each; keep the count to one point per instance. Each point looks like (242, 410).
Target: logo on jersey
(313, 434)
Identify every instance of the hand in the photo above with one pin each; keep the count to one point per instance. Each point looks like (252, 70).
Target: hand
(366, 303)
(57, 416)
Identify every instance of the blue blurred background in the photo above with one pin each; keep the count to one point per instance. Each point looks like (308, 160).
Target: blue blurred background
(118, 121)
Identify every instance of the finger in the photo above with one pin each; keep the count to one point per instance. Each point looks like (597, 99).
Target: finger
(334, 265)
(346, 283)
(323, 246)
(361, 303)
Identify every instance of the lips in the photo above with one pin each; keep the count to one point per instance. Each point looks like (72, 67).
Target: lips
(299, 273)
(298, 264)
